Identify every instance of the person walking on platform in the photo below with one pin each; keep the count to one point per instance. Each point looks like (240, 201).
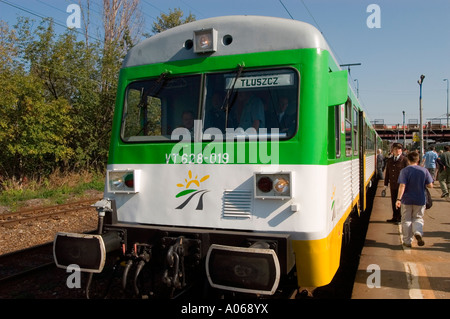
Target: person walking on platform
(380, 164)
(411, 198)
(394, 165)
(429, 161)
(444, 173)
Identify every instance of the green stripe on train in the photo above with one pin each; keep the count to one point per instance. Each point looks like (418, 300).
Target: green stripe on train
(310, 145)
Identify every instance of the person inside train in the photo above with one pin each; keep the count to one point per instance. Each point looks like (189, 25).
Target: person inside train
(187, 119)
(249, 111)
(215, 116)
(281, 118)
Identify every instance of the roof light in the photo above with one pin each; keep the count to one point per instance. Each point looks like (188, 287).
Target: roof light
(205, 41)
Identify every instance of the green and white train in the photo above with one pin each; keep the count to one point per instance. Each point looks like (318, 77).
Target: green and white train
(238, 153)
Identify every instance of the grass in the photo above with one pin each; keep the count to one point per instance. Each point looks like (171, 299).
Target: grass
(54, 189)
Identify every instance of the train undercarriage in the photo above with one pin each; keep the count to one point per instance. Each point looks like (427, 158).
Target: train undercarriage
(154, 262)
(165, 262)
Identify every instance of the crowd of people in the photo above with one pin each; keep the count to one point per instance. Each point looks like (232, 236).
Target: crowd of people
(407, 178)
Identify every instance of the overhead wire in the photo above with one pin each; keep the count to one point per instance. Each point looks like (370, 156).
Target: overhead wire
(100, 14)
(45, 18)
(61, 72)
(64, 25)
(153, 6)
(286, 9)
(190, 6)
(352, 81)
(309, 12)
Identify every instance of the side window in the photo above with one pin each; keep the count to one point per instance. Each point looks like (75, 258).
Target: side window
(355, 131)
(348, 128)
(370, 144)
(338, 127)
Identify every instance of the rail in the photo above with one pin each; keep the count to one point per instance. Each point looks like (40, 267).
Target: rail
(26, 261)
(44, 212)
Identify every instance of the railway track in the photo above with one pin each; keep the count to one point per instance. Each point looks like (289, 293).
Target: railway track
(9, 219)
(31, 272)
(26, 261)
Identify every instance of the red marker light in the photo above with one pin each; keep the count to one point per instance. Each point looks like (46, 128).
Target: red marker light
(265, 184)
(129, 180)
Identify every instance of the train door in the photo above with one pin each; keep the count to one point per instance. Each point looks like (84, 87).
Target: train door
(356, 160)
(349, 186)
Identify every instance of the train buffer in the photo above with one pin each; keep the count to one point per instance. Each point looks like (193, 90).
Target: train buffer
(389, 270)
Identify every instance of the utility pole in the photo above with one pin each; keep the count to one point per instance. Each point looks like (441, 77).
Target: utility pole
(349, 65)
(421, 125)
(404, 131)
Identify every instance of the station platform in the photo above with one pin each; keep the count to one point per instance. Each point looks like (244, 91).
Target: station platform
(389, 270)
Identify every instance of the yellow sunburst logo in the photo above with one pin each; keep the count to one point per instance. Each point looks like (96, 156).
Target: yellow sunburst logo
(193, 181)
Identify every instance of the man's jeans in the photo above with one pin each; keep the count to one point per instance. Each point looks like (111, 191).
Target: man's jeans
(412, 221)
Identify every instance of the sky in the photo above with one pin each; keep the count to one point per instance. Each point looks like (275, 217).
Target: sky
(395, 41)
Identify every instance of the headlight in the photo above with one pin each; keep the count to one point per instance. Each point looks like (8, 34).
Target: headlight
(123, 181)
(242, 269)
(281, 185)
(205, 41)
(85, 250)
(276, 185)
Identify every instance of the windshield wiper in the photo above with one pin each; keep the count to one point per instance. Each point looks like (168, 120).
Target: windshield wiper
(143, 103)
(226, 106)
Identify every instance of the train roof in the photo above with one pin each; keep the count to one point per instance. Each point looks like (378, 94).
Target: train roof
(249, 34)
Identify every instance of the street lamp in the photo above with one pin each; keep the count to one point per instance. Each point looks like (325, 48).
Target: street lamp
(421, 125)
(404, 132)
(447, 101)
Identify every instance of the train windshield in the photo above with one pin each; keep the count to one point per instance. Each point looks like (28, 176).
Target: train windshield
(251, 102)
(155, 108)
(262, 102)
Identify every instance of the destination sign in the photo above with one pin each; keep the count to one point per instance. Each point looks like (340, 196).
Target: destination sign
(261, 81)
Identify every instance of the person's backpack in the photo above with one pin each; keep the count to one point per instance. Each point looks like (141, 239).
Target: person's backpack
(429, 202)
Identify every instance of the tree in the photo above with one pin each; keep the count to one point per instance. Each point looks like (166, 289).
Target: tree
(34, 132)
(50, 58)
(122, 23)
(83, 73)
(34, 129)
(57, 93)
(173, 19)
(66, 69)
(8, 49)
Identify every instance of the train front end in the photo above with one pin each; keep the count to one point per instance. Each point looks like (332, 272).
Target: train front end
(214, 178)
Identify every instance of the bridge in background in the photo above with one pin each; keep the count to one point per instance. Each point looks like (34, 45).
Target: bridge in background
(435, 130)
